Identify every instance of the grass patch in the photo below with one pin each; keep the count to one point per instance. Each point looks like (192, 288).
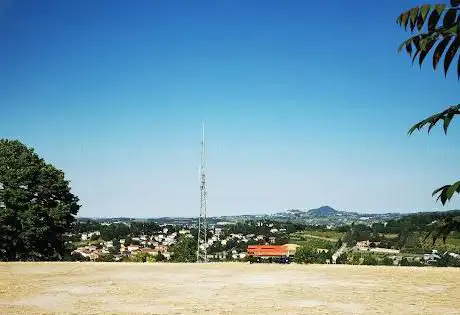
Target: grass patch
(312, 242)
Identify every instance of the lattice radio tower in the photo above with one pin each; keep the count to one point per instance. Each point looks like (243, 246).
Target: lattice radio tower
(201, 255)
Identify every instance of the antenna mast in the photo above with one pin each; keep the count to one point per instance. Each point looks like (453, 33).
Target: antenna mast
(202, 242)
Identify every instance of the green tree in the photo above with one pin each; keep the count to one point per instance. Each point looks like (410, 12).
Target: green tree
(114, 231)
(105, 258)
(447, 261)
(139, 257)
(304, 255)
(160, 257)
(407, 262)
(147, 228)
(78, 257)
(184, 250)
(387, 261)
(370, 260)
(441, 35)
(36, 205)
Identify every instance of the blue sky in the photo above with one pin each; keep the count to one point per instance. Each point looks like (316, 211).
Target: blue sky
(306, 103)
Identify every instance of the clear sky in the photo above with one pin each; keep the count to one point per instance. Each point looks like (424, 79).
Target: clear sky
(306, 103)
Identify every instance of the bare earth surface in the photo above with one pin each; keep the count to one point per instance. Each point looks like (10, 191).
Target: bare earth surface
(225, 288)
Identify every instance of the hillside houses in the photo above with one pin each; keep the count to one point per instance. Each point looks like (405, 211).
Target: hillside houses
(221, 243)
(87, 236)
(142, 244)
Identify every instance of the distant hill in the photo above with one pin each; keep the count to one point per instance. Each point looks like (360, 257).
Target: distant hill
(324, 211)
(325, 215)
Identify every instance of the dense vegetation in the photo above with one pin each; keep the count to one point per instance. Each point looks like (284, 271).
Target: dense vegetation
(436, 27)
(118, 230)
(407, 234)
(36, 205)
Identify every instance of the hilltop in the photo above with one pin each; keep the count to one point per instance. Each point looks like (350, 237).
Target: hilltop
(328, 215)
(126, 288)
(323, 215)
(323, 211)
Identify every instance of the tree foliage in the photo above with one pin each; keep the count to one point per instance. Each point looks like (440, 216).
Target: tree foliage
(36, 205)
(444, 227)
(304, 255)
(309, 255)
(437, 29)
(184, 250)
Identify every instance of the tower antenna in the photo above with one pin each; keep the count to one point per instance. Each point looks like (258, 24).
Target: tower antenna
(202, 243)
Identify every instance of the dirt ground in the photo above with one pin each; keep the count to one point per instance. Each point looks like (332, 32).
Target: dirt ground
(225, 288)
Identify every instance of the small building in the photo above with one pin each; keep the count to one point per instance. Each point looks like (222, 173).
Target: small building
(133, 248)
(162, 248)
(364, 245)
(267, 251)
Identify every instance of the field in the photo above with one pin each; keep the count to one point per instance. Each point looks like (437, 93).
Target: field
(225, 288)
(313, 241)
(332, 236)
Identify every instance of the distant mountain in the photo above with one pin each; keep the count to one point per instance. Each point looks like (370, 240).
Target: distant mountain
(326, 215)
(324, 211)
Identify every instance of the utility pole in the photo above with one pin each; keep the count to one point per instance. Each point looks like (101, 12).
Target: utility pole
(202, 241)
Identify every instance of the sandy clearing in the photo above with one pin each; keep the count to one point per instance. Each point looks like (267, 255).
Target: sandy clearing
(225, 288)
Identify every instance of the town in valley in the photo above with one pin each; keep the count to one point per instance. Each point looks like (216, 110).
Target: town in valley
(321, 236)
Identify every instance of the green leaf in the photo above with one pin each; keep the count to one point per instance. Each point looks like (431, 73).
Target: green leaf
(439, 189)
(440, 50)
(443, 196)
(440, 8)
(416, 41)
(419, 22)
(450, 54)
(434, 119)
(422, 14)
(403, 18)
(402, 46)
(413, 17)
(454, 188)
(409, 48)
(425, 46)
(449, 18)
(424, 9)
(447, 120)
(453, 31)
(434, 18)
(458, 68)
(415, 56)
(432, 124)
